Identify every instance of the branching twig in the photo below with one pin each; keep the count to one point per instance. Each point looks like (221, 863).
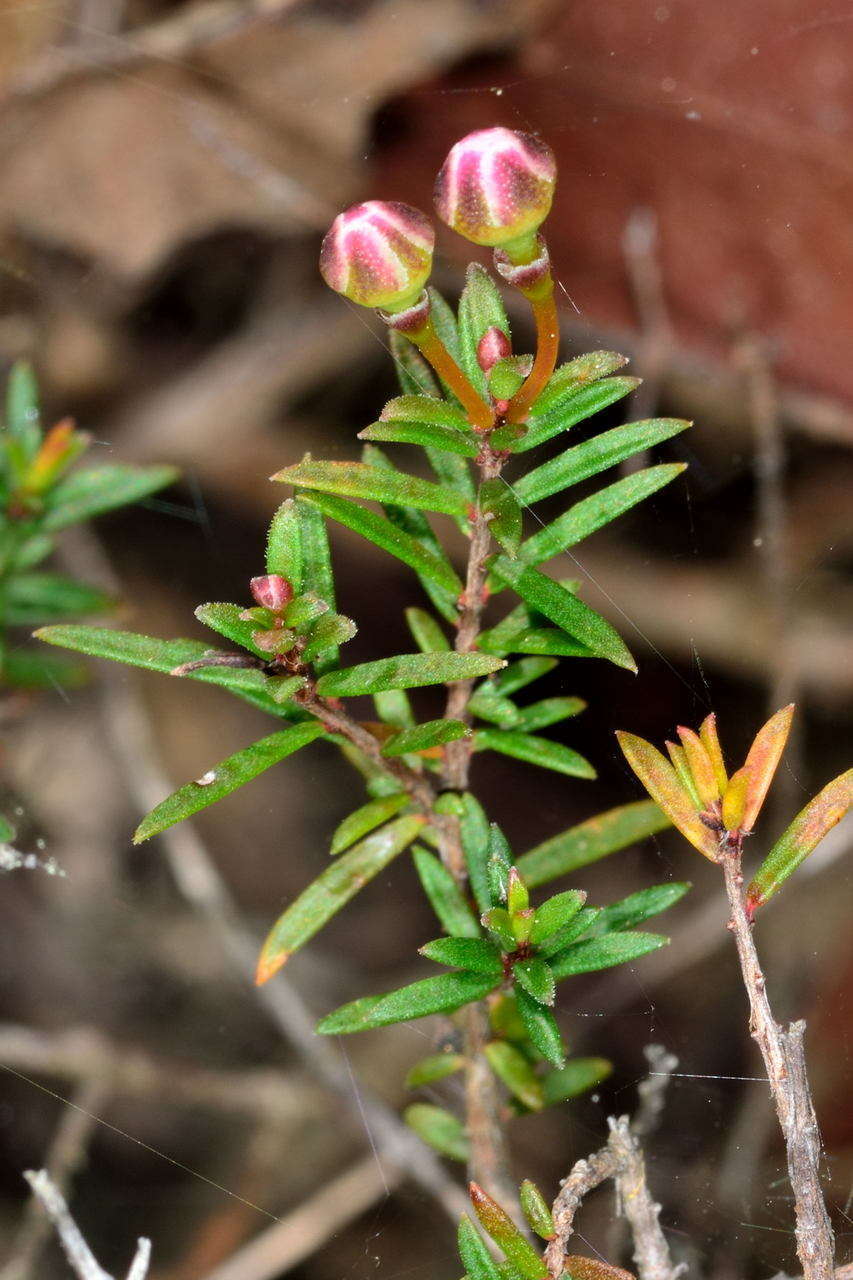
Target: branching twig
(651, 1251)
(78, 1253)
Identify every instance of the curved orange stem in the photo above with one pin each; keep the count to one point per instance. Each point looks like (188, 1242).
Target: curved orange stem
(480, 415)
(547, 346)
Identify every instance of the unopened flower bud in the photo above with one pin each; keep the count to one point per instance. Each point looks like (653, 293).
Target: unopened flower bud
(378, 254)
(272, 591)
(496, 188)
(492, 347)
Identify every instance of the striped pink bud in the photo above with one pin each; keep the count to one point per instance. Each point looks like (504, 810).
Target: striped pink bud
(378, 254)
(272, 591)
(496, 186)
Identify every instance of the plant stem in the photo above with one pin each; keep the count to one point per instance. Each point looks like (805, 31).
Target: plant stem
(547, 346)
(784, 1060)
(480, 415)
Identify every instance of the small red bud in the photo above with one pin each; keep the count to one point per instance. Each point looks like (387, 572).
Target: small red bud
(492, 347)
(272, 591)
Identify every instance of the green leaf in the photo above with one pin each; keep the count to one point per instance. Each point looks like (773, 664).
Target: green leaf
(807, 830)
(226, 621)
(639, 906)
(591, 840)
(393, 707)
(476, 954)
(476, 844)
(226, 777)
(89, 493)
(38, 669)
(603, 953)
(499, 923)
(428, 434)
(284, 544)
(426, 632)
(7, 831)
(163, 655)
(541, 1027)
(328, 632)
(500, 863)
(565, 609)
(359, 480)
(31, 598)
(497, 500)
(422, 737)
(584, 369)
(661, 781)
(486, 704)
(425, 409)
(516, 1072)
(542, 641)
(480, 309)
(476, 1259)
(533, 750)
(32, 552)
(414, 374)
(435, 1067)
(555, 914)
(519, 1253)
(438, 1129)
(536, 1211)
(535, 977)
(445, 896)
(340, 882)
(23, 419)
(540, 715)
(569, 933)
(366, 819)
(442, 994)
(573, 407)
(593, 456)
(520, 674)
(592, 513)
(303, 611)
(578, 1076)
(406, 671)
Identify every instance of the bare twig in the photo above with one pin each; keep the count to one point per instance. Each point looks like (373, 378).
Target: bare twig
(784, 1060)
(651, 1251)
(652, 1090)
(78, 1253)
(584, 1177)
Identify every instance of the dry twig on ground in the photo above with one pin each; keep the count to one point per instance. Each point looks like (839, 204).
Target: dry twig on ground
(78, 1253)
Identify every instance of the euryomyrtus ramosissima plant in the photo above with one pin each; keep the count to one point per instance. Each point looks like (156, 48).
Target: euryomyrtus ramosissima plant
(475, 408)
(42, 492)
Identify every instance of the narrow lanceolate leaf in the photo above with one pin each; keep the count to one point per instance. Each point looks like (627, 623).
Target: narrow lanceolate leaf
(584, 369)
(700, 766)
(425, 737)
(506, 1235)
(661, 781)
(38, 669)
(575, 406)
(417, 408)
(393, 707)
(520, 674)
(316, 562)
(803, 835)
(565, 609)
(516, 1072)
(327, 633)
(426, 632)
(498, 502)
(435, 1067)
(339, 883)
(366, 819)
(476, 835)
(545, 641)
(382, 533)
(163, 655)
(359, 480)
(284, 544)
(438, 1129)
(225, 619)
(406, 671)
(541, 1027)
(569, 933)
(547, 712)
(89, 493)
(442, 994)
(592, 840)
(22, 409)
(555, 914)
(577, 1267)
(762, 760)
(535, 977)
(31, 598)
(536, 1210)
(499, 864)
(578, 1076)
(711, 743)
(224, 778)
(678, 756)
(480, 309)
(533, 750)
(445, 896)
(486, 704)
(429, 434)
(592, 513)
(476, 1259)
(603, 953)
(639, 906)
(476, 954)
(595, 455)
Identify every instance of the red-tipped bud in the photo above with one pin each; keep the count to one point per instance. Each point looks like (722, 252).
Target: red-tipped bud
(378, 254)
(272, 591)
(492, 347)
(496, 186)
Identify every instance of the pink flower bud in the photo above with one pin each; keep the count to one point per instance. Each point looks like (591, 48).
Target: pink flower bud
(496, 186)
(378, 254)
(272, 591)
(492, 347)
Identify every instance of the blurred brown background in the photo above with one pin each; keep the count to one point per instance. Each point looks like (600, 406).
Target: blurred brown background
(166, 172)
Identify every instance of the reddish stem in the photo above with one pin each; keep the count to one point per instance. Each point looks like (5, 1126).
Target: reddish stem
(547, 345)
(480, 415)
